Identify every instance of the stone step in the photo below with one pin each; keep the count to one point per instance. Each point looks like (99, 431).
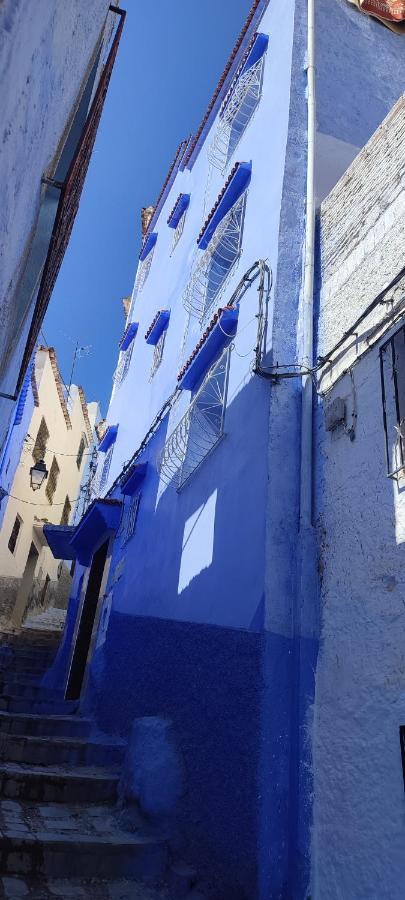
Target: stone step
(47, 726)
(13, 888)
(54, 841)
(60, 751)
(57, 784)
(39, 706)
(16, 688)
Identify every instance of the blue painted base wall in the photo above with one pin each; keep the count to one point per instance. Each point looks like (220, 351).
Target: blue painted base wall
(208, 681)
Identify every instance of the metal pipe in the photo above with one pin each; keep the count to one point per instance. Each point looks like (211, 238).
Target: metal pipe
(308, 287)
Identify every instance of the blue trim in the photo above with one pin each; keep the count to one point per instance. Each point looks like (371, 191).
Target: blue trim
(128, 336)
(258, 50)
(59, 538)
(219, 336)
(235, 188)
(180, 207)
(23, 396)
(108, 438)
(102, 516)
(160, 325)
(148, 245)
(133, 478)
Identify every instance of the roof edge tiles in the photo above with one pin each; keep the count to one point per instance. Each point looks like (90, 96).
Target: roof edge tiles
(233, 188)
(256, 10)
(177, 161)
(178, 210)
(157, 326)
(148, 245)
(219, 332)
(128, 336)
(109, 436)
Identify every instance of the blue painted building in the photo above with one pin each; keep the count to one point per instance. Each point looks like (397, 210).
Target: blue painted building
(196, 588)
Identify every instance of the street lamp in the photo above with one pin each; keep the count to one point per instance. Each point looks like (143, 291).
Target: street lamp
(38, 474)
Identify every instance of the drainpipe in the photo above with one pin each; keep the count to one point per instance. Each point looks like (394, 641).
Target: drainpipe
(305, 625)
(308, 288)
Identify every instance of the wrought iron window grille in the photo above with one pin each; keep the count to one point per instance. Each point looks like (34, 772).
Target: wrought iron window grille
(124, 363)
(52, 480)
(178, 231)
(105, 471)
(158, 354)
(392, 370)
(201, 427)
(143, 272)
(216, 265)
(130, 517)
(236, 114)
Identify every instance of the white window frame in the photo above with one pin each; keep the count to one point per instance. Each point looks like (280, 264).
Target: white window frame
(216, 265)
(157, 354)
(236, 113)
(200, 429)
(124, 363)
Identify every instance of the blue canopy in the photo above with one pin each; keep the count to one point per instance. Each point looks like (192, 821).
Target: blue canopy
(108, 438)
(133, 478)
(257, 51)
(148, 245)
(23, 396)
(101, 517)
(236, 185)
(158, 325)
(128, 336)
(220, 334)
(179, 208)
(59, 540)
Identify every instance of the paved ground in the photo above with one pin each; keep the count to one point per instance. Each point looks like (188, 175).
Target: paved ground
(74, 889)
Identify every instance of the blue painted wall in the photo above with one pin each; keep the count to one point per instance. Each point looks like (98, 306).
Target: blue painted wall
(210, 624)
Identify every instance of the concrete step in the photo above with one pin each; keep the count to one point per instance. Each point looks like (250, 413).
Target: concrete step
(13, 888)
(60, 751)
(47, 726)
(54, 841)
(58, 784)
(20, 687)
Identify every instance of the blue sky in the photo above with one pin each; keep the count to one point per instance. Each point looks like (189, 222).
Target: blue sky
(170, 58)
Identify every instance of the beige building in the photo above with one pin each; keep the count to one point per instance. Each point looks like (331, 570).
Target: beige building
(57, 426)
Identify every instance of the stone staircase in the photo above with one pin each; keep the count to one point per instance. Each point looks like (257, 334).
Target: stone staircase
(60, 833)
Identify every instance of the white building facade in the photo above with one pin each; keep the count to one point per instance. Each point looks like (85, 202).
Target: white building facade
(59, 430)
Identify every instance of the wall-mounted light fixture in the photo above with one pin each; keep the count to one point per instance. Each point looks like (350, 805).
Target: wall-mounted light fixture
(38, 473)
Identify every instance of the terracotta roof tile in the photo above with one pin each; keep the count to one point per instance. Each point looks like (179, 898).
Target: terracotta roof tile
(218, 200)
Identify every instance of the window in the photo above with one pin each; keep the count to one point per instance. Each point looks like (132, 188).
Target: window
(52, 480)
(15, 532)
(201, 427)
(239, 105)
(145, 261)
(130, 518)
(82, 447)
(123, 365)
(67, 509)
(106, 467)
(217, 262)
(158, 354)
(178, 231)
(392, 362)
(41, 441)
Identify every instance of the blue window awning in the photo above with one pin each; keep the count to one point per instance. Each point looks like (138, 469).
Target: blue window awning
(178, 210)
(220, 331)
(148, 245)
(128, 336)
(258, 50)
(59, 540)
(133, 478)
(108, 438)
(103, 516)
(158, 325)
(237, 183)
(23, 396)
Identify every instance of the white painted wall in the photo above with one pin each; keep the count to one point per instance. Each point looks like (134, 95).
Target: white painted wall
(359, 823)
